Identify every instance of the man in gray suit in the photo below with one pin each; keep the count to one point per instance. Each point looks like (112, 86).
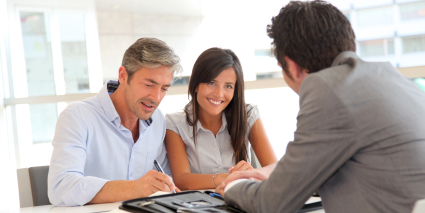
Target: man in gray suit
(360, 138)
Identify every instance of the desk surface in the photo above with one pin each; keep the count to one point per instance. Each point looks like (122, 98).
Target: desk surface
(95, 208)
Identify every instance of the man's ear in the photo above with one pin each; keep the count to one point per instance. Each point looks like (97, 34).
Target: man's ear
(122, 75)
(295, 70)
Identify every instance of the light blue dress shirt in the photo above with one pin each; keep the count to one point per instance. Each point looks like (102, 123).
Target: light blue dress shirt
(91, 147)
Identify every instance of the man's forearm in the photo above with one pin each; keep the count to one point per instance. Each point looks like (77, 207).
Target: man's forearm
(113, 191)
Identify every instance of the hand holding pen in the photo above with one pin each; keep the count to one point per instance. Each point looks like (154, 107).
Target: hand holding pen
(158, 167)
(150, 183)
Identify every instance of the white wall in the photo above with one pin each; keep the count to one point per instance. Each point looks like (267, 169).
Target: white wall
(118, 30)
(242, 29)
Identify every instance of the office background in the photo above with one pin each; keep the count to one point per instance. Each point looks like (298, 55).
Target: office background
(53, 52)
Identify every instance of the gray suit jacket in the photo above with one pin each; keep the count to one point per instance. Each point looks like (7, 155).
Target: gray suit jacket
(360, 141)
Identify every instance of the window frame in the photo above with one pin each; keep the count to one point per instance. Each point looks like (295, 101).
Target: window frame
(10, 98)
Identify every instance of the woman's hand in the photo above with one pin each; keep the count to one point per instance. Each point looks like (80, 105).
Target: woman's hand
(219, 178)
(241, 166)
(253, 174)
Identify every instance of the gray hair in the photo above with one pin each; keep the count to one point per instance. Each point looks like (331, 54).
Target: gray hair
(151, 53)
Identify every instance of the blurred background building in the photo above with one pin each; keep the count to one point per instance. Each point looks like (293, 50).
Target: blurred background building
(53, 52)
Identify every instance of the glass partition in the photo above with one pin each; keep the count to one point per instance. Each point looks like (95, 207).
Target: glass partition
(375, 16)
(412, 11)
(38, 53)
(74, 52)
(414, 44)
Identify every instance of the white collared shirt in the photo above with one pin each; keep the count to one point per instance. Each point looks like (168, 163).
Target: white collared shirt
(211, 154)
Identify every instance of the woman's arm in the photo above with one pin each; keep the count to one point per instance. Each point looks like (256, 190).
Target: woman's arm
(261, 144)
(180, 168)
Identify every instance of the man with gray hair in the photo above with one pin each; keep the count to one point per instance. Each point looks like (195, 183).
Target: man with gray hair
(105, 146)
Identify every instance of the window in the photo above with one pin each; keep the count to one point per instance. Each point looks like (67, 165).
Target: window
(55, 64)
(420, 82)
(66, 47)
(375, 16)
(40, 78)
(74, 52)
(52, 55)
(263, 53)
(38, 54)
(267, 75)
(390, 47)
(265, 64)
(381, 47)
(348, 15)
(413, 44)
(181, 80)
(412, 11)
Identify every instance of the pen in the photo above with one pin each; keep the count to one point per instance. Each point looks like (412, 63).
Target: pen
(216, 195)
(158, 167)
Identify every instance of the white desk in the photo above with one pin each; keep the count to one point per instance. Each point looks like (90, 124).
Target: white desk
(95, 208)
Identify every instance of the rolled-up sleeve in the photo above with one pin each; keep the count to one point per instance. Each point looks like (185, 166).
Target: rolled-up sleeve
(67, 185)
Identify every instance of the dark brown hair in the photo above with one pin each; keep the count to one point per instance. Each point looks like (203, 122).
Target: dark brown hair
(207, 67)
(311, 33)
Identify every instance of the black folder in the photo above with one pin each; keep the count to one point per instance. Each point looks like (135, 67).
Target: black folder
(189, 201)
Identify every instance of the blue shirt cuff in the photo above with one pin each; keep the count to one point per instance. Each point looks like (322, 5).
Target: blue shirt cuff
(84, 191)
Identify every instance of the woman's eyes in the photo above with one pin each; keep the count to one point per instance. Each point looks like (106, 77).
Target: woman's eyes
(227, 86)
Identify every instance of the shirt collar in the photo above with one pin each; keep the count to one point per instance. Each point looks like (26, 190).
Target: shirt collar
(109, 108)
(347, 57)
(142, 126)
(106, 102)
(199, 126)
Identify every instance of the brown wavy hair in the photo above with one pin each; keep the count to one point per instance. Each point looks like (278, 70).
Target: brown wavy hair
(207, 67)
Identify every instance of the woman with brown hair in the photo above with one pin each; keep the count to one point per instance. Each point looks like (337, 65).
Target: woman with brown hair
(212, 137)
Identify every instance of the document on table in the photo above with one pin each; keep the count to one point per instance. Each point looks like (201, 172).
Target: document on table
(313, 200)
(154, 194)
(118, 211)
(159, 193)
